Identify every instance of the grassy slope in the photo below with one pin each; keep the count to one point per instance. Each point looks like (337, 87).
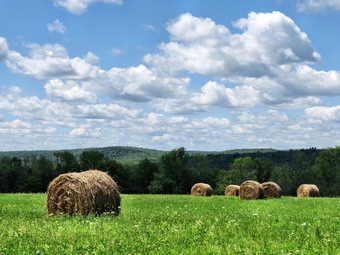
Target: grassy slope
(174, 224)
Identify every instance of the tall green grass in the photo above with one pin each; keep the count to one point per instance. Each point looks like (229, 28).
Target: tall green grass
(174, 224)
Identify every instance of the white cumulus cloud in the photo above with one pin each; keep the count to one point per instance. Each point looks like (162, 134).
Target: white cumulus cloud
(304, 80)
(323, 113)
(274, 38)
(50, 61)
(199, 45)
(3, 48)
(56, 26)
(216, 94)
(79, 6)
(94, 132)
(137, 83)
(263, 68)
(189, 28)
(294, 86)
(91, 58)
(15, 124)
(62, 112)
(318, 5)
(69, 92)
(116, 51)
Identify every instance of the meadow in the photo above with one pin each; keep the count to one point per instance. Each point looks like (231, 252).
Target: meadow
(174, 224)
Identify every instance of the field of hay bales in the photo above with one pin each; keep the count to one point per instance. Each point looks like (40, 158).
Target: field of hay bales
(174, 224)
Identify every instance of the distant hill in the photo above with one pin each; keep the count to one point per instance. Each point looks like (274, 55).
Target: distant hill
(123, 153)
(236, 151)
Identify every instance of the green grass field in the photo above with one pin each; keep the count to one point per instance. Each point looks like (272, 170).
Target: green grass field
(174, 224)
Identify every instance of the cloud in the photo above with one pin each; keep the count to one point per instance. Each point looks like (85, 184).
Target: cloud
(304, 80)
(18, 127)
(63, 125)
(14, 90)
(83, 132)
(31, 107)
(62, 112)
(137, 84)
(201, 46)
(294, 86)
(69, 92)
(91, 58)
(158, 103)
(208, 123)
(149, 27)
(105, 112)
(164, 138)
(79, 6)
(274, 39)
(56, 26)
(262, 119)
(318, 5)
(50, 61)
(215, 94)
(290, 87)
(176, 131)
(266, 64)
(271, 128)
(188, 28)
(179, 105)
(297, 103)
(116, 51)
(323, 114)
(15, 124)
(3, 48)
(245, 129)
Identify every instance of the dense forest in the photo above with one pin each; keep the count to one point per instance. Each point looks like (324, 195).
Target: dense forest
(176, 171)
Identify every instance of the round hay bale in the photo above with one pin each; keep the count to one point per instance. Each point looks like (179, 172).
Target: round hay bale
(201, 189)
(232, 190)
(308, 190)
(250, 190)
(271, 190)
(86, 192)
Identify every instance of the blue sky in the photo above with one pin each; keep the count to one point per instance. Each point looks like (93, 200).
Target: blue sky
(205, 75)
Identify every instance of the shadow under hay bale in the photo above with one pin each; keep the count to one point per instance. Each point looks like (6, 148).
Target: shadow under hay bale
(89, 192)
(232, 190)
(271, 190)
(308, 190)
(201, 189)
(251, 190)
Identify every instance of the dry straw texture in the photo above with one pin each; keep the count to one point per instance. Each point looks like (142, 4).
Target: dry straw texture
(201, 189)
(232, 190)
(271, 190)
(251, 190)
(308, 190)
(87, 192)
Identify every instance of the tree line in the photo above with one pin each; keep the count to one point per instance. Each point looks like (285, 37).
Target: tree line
(176, 171)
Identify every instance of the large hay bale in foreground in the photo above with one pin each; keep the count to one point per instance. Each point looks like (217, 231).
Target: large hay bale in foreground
(308, 190)
(232, 190)
(86, 192)
(250, 190)
(271, 190)
(201, 189)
